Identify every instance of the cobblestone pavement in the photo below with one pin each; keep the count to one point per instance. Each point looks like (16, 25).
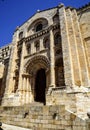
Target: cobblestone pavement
(11, 127)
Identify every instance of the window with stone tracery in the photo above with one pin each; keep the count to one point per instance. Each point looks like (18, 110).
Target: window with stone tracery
(37, 26)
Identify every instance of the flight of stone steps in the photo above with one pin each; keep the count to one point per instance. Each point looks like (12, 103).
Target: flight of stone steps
(41, 117)
(12, 127)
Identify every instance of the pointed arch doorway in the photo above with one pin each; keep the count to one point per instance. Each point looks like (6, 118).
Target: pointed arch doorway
(40, 86)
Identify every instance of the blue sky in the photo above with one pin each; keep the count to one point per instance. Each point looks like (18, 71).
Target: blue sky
(14, 12)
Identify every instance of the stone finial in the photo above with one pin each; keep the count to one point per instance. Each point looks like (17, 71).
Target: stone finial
(88, 114)
(16, 28)
(60, 5)
(38, 10)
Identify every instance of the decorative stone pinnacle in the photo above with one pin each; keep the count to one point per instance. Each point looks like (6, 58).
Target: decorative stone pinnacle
(38, 10)
(16, 28)
(60, 5)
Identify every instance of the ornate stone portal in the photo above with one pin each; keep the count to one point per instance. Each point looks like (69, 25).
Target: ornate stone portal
(48, 61)
(35, 79)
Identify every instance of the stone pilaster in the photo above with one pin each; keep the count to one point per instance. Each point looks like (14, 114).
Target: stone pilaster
(12, 65)
(32, 48)
(87, 51)
(80, 51)
(10, 81)
(21, 66)
(65, 47)
(27, 90)
(73, 49)
(52, 60)
(24, 90)
(41, 44)
(26, 96)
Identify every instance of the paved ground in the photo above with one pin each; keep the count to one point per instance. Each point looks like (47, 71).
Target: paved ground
(11, 127)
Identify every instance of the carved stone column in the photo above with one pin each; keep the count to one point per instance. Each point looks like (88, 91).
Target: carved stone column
(52, 60)
(24, 89)
(32, 48)
(21, 66)
(41, 44)
(27, 90)
(65, 47)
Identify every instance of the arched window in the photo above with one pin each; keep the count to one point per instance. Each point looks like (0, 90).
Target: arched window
(20, 35)
(57, 39)
(37, 45)
(28, 49)
(39, 27)
(46, 43)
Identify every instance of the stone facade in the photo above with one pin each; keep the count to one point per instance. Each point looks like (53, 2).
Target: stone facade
(48, 62)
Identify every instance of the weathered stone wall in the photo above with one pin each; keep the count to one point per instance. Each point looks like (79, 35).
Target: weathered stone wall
(42, 118)
(84, 18)
(76, 100)
(1, 70)
(74, 58)
(74, 29)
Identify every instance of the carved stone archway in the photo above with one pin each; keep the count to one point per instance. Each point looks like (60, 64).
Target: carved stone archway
(35, 63)
(38, 67)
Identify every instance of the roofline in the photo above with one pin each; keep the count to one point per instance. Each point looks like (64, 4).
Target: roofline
(78, 9)
(8, 44)
(84, 6)
(34, 14)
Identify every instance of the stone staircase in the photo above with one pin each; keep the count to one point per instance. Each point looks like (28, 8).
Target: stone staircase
(39, 117)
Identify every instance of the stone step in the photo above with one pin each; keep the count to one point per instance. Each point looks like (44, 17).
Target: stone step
(40, 117)
(12, 127)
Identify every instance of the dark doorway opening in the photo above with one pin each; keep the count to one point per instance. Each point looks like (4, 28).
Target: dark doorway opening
(40, 86)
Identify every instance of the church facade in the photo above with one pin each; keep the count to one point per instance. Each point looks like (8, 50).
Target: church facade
(48, 61)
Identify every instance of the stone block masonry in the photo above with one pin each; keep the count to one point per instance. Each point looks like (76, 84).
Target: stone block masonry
(43, 118)
(48, 63)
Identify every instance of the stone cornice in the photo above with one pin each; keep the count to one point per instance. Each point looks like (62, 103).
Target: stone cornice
(83, 8)
(42, 32)
(36, 53)
(38, 34)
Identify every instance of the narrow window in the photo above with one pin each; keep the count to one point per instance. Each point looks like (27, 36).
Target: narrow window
(29, 49)
(37, 45)
(57, 39)
(46, 43)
